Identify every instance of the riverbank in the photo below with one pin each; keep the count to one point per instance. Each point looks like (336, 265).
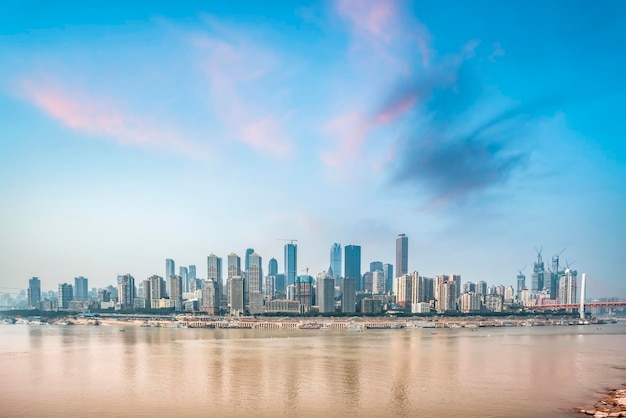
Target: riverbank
(612, 405)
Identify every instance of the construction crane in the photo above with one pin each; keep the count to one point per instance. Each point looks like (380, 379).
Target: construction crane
(291, 240)
(306, 270)
(521, 271)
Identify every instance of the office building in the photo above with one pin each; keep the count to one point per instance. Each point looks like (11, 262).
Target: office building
(255, 274)
(272, 267)
(249, 252)
(34, 293)
(481, 287)
(214, 268)
(66, 295)
(335, 263)
(291, 263)
(192, 272)
(81, 288)
(269, 286)
(304, 292)
(376, 265)
(388, 270)
(157, 290)
(234, 270)
(126, 291)
(211, 297)
(378, 282)
(170, 269)
(183, 272)
(348, 294)
(326, 293)
(279, 284)
(235, 295)
(402, 255)
(353, 265)
(176, 291)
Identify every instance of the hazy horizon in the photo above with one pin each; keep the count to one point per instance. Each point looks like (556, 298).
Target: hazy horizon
(132, 133)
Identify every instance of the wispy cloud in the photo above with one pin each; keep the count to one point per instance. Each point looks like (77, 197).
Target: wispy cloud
(102, 117)
(245, 90)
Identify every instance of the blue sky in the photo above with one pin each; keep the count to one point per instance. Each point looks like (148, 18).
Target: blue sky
(131, 133)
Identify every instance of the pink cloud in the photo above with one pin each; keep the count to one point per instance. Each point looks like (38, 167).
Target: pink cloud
(240, 76)
(350, 132)
(95, 116)
(374, 18)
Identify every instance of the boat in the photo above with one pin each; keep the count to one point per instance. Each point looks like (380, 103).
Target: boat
(310, 325)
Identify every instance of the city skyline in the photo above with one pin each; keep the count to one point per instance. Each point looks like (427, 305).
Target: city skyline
(137, 133)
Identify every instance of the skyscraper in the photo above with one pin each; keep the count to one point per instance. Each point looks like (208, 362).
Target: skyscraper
(378, 282)
(170, 269)
(192, 272)
(402, 255)
(272, 267)
(183, 272)
(353, 264)
(176, 287)
(335, 262)
(234, 265)
(291, 263)
(376, 265)
(66, 294)
(255, 274)
(348, 294)
(388, 270)
(214, 268)
(81, 288)
(34, 293)
(249, 252)
(126, 291)
(326, 293)
(235, 294)
(157, 290)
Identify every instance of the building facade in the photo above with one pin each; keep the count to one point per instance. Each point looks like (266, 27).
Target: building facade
(402, 255)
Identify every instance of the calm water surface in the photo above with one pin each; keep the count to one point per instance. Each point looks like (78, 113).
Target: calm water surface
(78, 371)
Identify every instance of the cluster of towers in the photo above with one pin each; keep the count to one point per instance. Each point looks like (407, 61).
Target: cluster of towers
(548, 283)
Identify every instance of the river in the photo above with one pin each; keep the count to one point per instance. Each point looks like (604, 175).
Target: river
(117, 371)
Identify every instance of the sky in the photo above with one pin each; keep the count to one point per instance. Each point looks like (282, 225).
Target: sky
(132, 132)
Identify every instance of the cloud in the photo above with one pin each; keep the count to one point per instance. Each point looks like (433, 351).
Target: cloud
(97, 116)
(245, 89)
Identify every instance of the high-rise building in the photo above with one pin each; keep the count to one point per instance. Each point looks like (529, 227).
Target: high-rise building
(456, 278)
(249, 252)
(304, 292)
(126, 291)
(146, 292)
(291, 263)
(157, 290)
(537, 278)
(192, 272)
(176, 290)
(183, 272)
(447, 296)
(211, 297)
(348, 294)
(353, 265)
(235, 294)
(469, 287)
(170, 269)
(421, 289)
(335, 262)
(234, 270)
(214, 268)
(481, 287)
(66, 294)
(376, 265)
(378, 282)
(470, 302)
(279, 283)
(326, 293)
(269, 287)
(402, 255)
(34, 293)
(272, 267)
(388, 270)
(255, 274)
(81, 288)
(568, 286)
(404, 290)
(521, 284)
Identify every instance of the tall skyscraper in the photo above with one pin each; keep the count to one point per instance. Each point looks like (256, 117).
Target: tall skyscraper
(272, 267)
(235, 294)
(378, 282)
(348, 294)
(214, 268)
(388, 270)
(335, 262)
(255, 274)
(170, 269)
(81, 288)
(157, 290)
(234, 265)
(176, 288)
(66, 294)
(192, 272)
(402, 255)
(34, 293)
(249, 252)
(183, 272)
(126, 291)
(211, 297)
(521, 284)
(568, 286)
(326, 293)
(376, 265)
(291, 263)
(353, 264)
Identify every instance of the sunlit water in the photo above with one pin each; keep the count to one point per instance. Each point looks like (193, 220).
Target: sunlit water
(79, 371)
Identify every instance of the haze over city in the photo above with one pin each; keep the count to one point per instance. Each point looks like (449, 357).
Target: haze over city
(132, 133)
